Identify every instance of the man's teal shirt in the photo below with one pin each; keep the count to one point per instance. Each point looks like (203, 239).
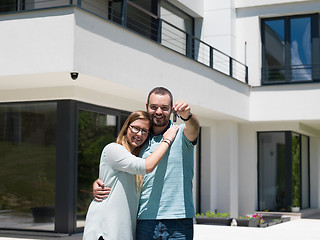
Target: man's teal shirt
(166, 192)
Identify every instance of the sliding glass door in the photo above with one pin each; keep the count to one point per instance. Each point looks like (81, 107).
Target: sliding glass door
(283, 171)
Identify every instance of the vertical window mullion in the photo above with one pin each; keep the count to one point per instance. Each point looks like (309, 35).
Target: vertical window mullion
(288, 66)
(263, 53)
(315, 48)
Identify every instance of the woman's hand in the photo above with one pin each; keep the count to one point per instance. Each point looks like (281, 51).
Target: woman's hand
(168, 137)
(171, 133)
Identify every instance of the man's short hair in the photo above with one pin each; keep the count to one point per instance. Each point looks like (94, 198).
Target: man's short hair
(160, 91)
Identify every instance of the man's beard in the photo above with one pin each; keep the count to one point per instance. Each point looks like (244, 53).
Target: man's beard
(164, 121)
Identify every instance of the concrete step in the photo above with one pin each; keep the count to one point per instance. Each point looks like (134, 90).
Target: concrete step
(304, 213)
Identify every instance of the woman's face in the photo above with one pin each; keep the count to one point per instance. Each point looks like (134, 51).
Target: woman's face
(137, 133)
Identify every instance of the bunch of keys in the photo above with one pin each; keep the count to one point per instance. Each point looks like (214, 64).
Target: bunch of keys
(174, 116)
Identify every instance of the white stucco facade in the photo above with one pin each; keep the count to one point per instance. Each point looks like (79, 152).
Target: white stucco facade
(117, 68)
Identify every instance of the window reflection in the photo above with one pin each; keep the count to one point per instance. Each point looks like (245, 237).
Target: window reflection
(288, 50)
(301, 49)
(95, 130)
(296, 178)
(275, 50)
(8, 5)
(272, 190)
(283, 166)
(27, 159)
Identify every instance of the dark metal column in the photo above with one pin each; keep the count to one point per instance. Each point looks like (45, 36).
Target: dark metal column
(66, 167)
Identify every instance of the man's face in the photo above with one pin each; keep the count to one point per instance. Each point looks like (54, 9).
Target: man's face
(159, 109)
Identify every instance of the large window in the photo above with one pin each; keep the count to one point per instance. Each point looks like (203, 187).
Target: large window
(49, 158)
(28, 165)
(290, 49)
(143, 17)
(140, 16)
(283, 171)
(174, 28)
(95, 130)
(18, 5)
(8, 5)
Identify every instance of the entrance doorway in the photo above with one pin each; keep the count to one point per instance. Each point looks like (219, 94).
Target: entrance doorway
(283, 171)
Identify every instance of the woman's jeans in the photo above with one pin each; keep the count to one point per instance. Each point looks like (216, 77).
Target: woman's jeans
(181, 229)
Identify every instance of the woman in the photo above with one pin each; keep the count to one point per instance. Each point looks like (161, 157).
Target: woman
(115, 216)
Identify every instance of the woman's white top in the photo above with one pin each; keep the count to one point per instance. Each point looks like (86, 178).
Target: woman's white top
(115, 217)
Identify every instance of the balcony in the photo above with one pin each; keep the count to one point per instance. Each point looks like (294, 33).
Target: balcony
(290, 74)
(133, 17)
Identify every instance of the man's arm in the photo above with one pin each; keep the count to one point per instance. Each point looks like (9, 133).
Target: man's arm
(191, 130)
(100, 191)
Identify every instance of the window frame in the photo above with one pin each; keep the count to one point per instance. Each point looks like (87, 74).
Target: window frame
(67, 160)
(315, 50)
(288, 160)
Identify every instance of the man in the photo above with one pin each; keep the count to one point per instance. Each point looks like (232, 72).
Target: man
(166, 203)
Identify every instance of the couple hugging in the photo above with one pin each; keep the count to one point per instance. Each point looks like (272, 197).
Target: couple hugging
(160, 204)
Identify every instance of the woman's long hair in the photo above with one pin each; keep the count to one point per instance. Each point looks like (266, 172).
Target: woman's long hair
(123, 140)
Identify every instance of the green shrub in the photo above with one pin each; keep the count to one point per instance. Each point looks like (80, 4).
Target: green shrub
(210, 214)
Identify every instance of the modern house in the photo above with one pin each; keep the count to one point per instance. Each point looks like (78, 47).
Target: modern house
(72, 70)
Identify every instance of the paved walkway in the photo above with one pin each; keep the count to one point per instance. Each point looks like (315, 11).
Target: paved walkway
(301, 229)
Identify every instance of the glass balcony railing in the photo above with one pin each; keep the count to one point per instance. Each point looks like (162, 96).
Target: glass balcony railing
(131, 16)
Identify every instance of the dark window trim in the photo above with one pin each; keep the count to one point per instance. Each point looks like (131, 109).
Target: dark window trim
(315, 49)
(65, 211)
(67, 160)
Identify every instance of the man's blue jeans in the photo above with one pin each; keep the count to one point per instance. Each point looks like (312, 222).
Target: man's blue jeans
(165, 229)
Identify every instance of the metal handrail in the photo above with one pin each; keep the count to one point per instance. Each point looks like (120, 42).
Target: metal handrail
(142, 10)
(164, 32)
(292, 73)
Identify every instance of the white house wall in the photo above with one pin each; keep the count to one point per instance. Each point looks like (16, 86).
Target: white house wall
(248, 16)
(248, 177)
(209, 178)
(285, 103)
(107, 58)
(137, 63)
(249, 46)
(193, 8)
(37, 42)
(227, 167)
(219, 168)
(117, 68)
(260, 3)
(219, 25)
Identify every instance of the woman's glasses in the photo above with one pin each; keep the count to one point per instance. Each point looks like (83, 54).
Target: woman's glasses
(137, 130)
